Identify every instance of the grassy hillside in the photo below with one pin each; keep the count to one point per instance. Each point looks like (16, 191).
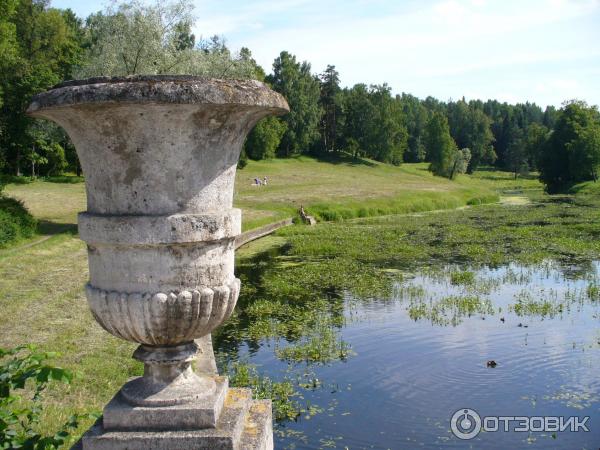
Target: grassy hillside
(328, 190)
(347, 188)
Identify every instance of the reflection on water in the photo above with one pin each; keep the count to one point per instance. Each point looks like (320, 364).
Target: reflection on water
(415, 358)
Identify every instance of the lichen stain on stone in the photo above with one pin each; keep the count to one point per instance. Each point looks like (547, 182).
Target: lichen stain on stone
(236, 397)
(260, 408)
(250, 427)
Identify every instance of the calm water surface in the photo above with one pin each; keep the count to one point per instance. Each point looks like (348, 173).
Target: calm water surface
(415, 363)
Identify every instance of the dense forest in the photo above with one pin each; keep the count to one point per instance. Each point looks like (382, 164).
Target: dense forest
(41, 46)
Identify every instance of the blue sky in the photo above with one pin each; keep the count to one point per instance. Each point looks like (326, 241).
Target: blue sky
(544, 51)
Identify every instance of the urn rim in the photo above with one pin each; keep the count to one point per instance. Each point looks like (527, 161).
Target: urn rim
(160, 89)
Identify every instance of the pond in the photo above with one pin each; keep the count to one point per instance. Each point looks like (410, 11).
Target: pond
(402, 365)
(374, 333)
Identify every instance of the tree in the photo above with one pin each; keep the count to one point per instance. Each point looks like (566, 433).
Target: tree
(47, 48)
(257, 72)
(480, 139)
(433, 105)
(302, 91)
(8, 35)
(358, 113)
(470, 128)
(442, 151)
(550, 115)
(56, 161)
(509, 121)
(415, 116)
(535, 140)
(263, 140)
(585, 152)
(133, 37)
(374, 124)
(516, 154)
(8, 55)
(460, 162)
(388, 139)
(572, 152)
(331, 103)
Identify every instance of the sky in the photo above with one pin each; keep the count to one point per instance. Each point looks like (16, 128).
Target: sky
(542, 51)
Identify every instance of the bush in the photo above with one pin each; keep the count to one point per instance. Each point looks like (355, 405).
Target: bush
(6, 179)
(24, 375)
(15, 221)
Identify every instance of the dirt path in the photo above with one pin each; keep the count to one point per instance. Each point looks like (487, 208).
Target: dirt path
(514, 200)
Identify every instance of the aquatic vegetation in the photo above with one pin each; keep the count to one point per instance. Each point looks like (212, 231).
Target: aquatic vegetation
(527, 305)
(462, 277)
(482, 235)
(297, 289)
(283, 394)
(593, 292)
(577, 398)
(409, 291)
(318, 346)
(518, 277)
(450, 310)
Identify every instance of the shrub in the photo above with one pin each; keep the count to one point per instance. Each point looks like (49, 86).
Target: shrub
(15, 221)
(24, 375)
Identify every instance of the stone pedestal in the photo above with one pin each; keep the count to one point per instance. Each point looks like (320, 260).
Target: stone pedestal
(159, 155)
(241, 423)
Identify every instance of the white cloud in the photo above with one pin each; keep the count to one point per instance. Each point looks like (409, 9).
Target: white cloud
(416, 51)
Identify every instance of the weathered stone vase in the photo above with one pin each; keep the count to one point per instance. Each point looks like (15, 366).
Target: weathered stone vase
(159, 155)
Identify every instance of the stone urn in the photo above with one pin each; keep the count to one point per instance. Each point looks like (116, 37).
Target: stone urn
(159, 154)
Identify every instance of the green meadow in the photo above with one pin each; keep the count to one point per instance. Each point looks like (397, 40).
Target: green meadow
(331, 190)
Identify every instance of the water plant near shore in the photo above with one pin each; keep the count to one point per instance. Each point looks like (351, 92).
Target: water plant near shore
(481, 235)
(450, 310)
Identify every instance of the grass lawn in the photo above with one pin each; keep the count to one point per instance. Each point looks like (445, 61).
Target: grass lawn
(41, 286)
(331, 191)
(55, 205)
(348, 189)
(587, 189)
